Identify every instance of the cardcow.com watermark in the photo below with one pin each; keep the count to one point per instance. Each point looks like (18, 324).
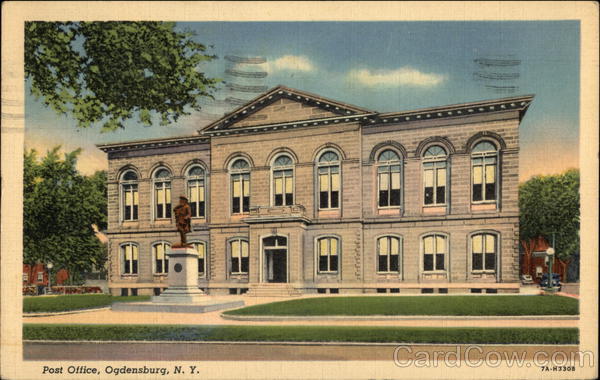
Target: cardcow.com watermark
(475, 356)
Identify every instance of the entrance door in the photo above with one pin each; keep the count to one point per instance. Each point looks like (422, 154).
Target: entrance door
(275, 259)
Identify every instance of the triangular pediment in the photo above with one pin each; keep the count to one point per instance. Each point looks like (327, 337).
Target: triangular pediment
(282, 105)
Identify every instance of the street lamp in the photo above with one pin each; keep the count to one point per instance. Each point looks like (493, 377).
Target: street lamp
(550, 257)
(49, 266)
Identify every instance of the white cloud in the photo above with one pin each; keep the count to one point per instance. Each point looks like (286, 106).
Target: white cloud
(292, 63)
(403, 76)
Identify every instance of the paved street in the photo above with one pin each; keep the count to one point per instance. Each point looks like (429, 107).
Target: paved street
(182, 351)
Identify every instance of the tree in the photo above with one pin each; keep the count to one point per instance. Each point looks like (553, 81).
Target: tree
(108, 72)
(550, 204)
(60, 206)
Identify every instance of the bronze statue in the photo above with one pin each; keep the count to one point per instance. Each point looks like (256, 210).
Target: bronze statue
(183, 220)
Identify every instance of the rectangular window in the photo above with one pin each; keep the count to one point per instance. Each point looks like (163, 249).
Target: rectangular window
(40, 277)
(388, 254)
(130, 202)
(130, 259)
(283, 188)
(240, 186)
(239, 256)
(328, 255)
(163, 200)
(483, 251)
(434, 253)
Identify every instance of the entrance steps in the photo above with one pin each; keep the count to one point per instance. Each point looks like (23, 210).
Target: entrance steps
(273, 290)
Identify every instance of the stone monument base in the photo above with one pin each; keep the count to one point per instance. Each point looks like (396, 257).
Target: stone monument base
(182, 295)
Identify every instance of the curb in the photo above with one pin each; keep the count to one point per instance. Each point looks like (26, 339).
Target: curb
(65, 312)
(279, 318)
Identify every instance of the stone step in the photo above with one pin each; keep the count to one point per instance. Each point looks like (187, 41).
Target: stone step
(273, 290)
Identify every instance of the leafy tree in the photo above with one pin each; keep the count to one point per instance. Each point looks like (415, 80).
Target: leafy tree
(60, 205)
(108, 72)
(551, 204)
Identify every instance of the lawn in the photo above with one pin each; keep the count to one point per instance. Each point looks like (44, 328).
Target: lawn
(73, 302)
(222, 333)
(417, 305)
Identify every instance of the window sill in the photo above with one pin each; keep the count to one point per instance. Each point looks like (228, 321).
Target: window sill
(238, 274)
(327, 273)
(435, 271)
(388, 273)
(483, 272)
(160, 274)
(129, 276)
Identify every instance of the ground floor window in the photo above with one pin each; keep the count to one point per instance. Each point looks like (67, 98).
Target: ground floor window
(129, 255)
(161, 262)
(200, 247)
(483, 249)
(434, 253)
(239, 256)
(328, 249)
(388, 254)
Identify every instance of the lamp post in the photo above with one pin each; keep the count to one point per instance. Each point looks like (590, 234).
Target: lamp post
(49, 266)
(550, 257)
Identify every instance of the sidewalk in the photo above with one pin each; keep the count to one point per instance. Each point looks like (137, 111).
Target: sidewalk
(214, 318)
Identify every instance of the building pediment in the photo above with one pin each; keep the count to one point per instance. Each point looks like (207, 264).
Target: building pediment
(282, 105)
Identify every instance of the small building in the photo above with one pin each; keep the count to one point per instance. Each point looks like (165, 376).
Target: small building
(296, 193)
(534, 262)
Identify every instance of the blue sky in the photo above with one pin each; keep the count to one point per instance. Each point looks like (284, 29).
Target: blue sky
(384, 66)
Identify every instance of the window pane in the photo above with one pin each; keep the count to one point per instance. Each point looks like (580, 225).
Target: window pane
(200, 266)
(193, 193)
(289, 199)
(440, 244)
(477, 244)
(382, 263)
(394, 246)
(383, 246)
(246, 205)
(333, 250)
(235, 207)
(278, 199)
(323, 182)
(490, 261)
(490, 243)
(134, 250)
(235, 248)
(235, 264)
(168, 195)
(477, 261)
(441, 177)
(135, 196)
(383, 198)
(428, 178)
(394, 263)
(439, 261)
(128, 198)
(490, 191)
(395, 198)
(335, 199)
(244, 249)
(323, 199)
(278, 185)
(288, 185)
(128, 254)
(323, 263)
(477, 192)
(333, 263)
(440, 194)
(245, 263)
(477, 175)
(335, 182)
(323, 247)
(427, 262)
(395, 180)
(127, 215)
(383, 181)
(236, 188)
(428, 195)
(490, 174)
(428, 244)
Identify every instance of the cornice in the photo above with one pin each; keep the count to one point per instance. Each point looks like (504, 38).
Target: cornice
(153, 143)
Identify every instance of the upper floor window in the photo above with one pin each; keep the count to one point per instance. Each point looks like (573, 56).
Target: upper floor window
(484, 159)
(434, 175)
(434, 252)
(484, 249)
(329, 180)
(239, 256)
(162, 194)
(240, 186)
(388, 179)
(388, 254)
(283, 181)
(200, 247)
(129, 258)
(129, 195)
(196, 191)
(328, 250)
(159, 254)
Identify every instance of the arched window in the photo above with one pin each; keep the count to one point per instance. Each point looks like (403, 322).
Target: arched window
(129, 258)
(283, 181)
(129, 195)
(328, 252)
(484, 249)
(434, 175)
(434, 253)
(484, 159)
(388, 179)
(329, 180)
(159, 255)
(388, 254)
(240, 186)
(239, 256)
(162, 193)
(196, 191)
(200, 247)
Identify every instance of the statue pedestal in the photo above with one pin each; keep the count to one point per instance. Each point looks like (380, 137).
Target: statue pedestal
(182, 277)
(183, 294)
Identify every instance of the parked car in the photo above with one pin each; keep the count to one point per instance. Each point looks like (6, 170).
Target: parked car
(555, 281)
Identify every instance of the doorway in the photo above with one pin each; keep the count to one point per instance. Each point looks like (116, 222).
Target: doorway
(275, 259)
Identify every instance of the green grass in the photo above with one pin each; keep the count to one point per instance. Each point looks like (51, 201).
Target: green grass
(417, 305)
(469, 335)
(73, 302)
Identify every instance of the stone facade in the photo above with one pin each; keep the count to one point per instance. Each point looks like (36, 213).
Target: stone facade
(302, 127)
